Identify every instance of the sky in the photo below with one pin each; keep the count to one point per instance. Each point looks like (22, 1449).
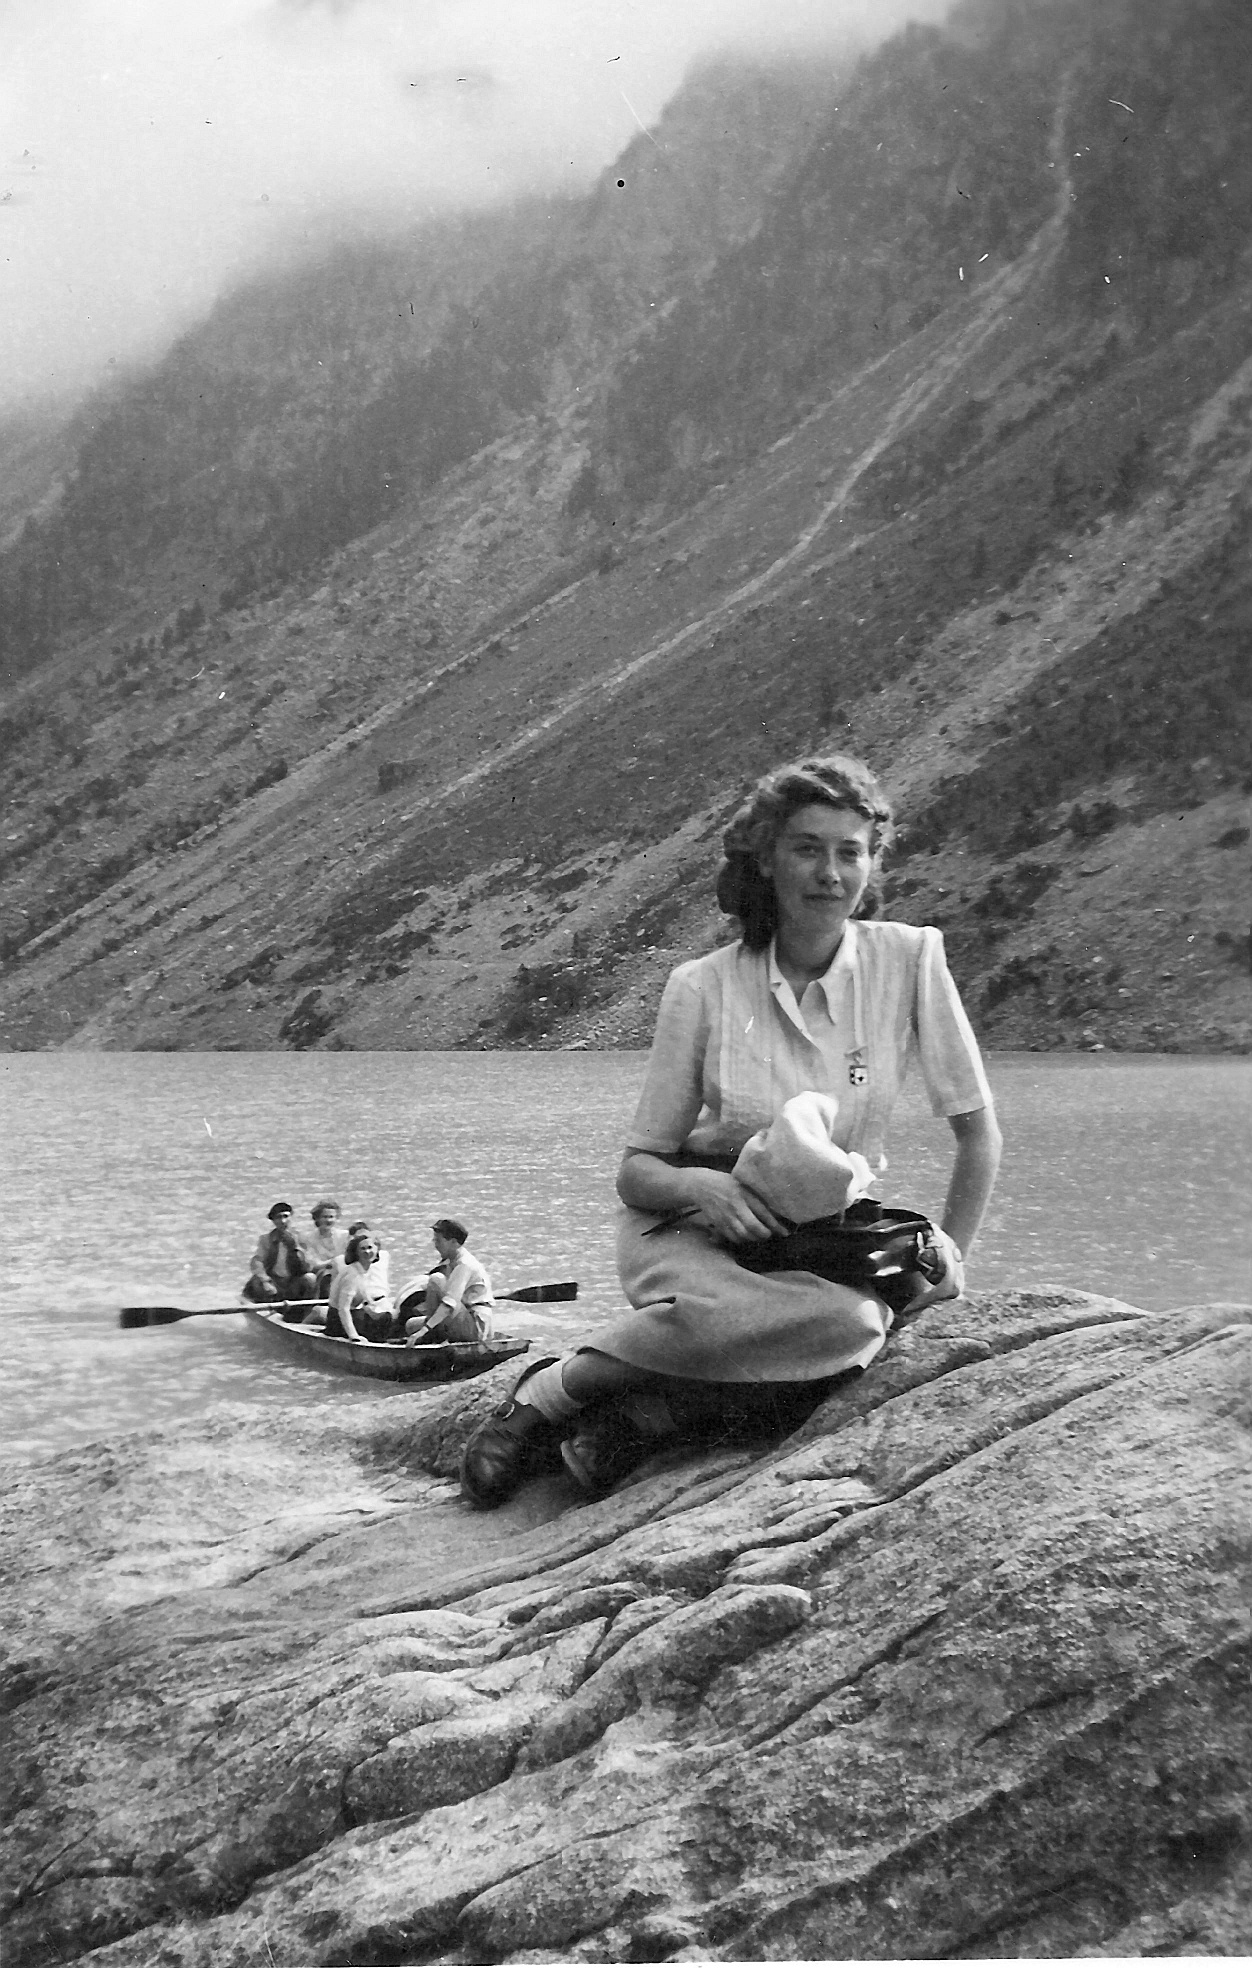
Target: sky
(154, 151)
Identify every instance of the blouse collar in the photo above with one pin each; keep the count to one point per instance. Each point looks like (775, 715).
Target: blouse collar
(831, 982)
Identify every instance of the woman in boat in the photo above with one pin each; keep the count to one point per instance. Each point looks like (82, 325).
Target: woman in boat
(380, 1269)
(360, 1294)
(327, 1245)
(813, 999)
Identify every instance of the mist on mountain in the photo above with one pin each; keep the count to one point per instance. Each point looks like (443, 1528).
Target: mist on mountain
(153, 155)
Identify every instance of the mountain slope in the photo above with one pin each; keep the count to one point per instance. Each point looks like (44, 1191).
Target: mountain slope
(944, 155)
(308, 407)
(467, 789)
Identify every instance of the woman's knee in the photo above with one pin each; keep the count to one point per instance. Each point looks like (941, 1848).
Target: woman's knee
(459, 1325)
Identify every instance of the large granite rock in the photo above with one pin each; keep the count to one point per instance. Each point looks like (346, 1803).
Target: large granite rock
(962, 1668)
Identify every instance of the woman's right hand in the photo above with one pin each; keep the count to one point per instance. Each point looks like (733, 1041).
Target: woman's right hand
(728, 1211)
(942, 1265)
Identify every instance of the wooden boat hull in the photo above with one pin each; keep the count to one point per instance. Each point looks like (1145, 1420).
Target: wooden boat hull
(302, 1346)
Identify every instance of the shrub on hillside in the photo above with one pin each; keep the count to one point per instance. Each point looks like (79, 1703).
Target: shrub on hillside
(269, 775)
(1085, 823)
(309, 1021)
(542, 993)
(1017, 974)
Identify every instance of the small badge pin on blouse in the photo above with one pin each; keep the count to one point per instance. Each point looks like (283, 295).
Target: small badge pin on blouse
(858, 1072)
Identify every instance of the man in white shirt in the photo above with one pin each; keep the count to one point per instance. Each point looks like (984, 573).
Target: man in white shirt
(459, 1303)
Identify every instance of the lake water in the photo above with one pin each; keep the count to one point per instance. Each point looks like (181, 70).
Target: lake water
(144, 1178)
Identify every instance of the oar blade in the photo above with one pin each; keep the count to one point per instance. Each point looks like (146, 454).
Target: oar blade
(544, 1294)
(131, 1316)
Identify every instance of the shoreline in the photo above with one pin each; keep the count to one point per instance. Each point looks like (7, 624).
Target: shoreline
(1190, 1048)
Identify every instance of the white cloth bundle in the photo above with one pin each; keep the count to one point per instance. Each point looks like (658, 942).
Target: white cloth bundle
(796, 1168)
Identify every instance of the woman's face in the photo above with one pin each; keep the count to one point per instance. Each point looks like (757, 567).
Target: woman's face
(820, 865)
(366, 1250)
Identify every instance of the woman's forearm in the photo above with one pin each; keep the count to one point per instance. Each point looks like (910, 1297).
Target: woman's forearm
(978, 1143)
(645, 1182)
(725, 1208)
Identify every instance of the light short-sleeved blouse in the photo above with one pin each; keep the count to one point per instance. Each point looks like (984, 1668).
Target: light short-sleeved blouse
(372, 1287)
(732, 1044)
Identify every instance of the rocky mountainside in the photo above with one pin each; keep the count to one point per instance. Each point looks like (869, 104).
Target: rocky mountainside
(958, 1670)
(385, 680)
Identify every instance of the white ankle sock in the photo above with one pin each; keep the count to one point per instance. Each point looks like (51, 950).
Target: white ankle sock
(545, 1390)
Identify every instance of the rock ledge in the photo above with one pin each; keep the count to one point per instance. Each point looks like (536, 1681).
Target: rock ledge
(962, 1668)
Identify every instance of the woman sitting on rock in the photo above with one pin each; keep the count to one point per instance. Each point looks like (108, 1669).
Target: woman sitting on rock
(812, 1000)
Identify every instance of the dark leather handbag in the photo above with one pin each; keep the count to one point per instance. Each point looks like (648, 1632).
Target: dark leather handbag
(881, 1250)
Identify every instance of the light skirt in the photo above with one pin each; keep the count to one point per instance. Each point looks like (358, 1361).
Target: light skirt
(698, 1315)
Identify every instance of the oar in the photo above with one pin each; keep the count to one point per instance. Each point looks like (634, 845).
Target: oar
(542, 1294)
(131, 1316)
(167, 1315)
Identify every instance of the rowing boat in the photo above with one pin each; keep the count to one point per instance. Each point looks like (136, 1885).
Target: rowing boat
(304, 1346)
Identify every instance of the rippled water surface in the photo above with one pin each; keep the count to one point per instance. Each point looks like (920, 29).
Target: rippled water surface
(135, 1178)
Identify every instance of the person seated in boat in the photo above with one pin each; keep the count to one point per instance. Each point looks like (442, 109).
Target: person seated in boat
(382, 1263)
(360, 1304)
(326, 1246)
(281, 1268)
(414, 1296)
(814, 1007)
(459, 1299)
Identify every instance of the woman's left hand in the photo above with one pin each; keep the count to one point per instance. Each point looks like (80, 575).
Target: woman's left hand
(942, 1263)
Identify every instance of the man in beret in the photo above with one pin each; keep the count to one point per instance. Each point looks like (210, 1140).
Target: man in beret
(281, 1267)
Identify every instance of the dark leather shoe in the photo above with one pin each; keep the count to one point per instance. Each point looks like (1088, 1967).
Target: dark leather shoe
(604, 1447)
(514, 1443)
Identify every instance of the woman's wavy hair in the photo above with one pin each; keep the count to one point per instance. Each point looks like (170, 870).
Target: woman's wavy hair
(743, 888)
